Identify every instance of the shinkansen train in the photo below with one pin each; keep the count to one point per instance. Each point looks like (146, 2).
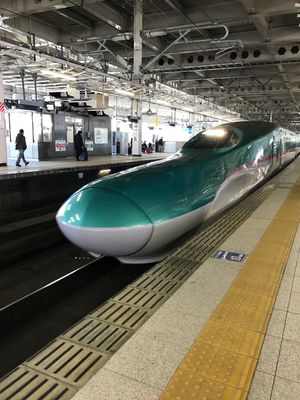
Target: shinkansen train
(138, 215)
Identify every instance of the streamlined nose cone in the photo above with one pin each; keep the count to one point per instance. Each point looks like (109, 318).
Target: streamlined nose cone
(104, 221)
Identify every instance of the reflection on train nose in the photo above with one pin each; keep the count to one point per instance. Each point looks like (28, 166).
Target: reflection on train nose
(103, 221)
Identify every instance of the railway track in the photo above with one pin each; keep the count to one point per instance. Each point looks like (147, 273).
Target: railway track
(27, 233)
(47, 284)
(30, 322)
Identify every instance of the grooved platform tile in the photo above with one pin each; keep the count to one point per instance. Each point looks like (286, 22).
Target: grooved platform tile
(156, 284)
(177, 262)
(26, 383)
(121, 314)
(175, 273)
(67, 362)
(140, 298)
(98, 335)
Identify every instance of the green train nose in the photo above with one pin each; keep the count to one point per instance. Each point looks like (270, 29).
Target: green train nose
(104, 221)
(99, 208)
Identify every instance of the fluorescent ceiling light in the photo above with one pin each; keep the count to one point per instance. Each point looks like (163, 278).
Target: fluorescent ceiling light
(163, 103)
(124, 92)
(55, 74)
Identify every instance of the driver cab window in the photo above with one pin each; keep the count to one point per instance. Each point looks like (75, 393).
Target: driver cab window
(213, 138)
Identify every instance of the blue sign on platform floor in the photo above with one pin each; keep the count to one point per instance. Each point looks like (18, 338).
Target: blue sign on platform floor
(229, 255)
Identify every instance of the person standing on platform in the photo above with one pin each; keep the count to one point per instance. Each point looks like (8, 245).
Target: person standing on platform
(144, 146)
(21, 147)
(78, 144)
(160, 146)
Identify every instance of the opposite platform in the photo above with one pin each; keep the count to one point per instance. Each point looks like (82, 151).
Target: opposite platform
(36, 168)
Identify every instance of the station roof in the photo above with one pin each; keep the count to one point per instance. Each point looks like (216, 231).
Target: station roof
(242, 55)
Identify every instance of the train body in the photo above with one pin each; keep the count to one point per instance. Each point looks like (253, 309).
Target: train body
(137, 215)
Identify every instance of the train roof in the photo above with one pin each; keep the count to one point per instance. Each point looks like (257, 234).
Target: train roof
(229, 135)
(252, 129)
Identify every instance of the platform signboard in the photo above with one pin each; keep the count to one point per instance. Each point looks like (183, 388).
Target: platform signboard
(229, 255)
(89, 144)
(60, 145)
(101, 135)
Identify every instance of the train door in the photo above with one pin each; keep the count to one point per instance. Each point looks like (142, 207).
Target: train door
(276, 150)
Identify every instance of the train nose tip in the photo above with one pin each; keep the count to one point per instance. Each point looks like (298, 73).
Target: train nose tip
(103, 221)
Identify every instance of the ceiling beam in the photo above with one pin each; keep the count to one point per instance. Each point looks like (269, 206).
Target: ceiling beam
(38, 6)
(107, 15)
(262, 27)
(175, 5)
(74, 17)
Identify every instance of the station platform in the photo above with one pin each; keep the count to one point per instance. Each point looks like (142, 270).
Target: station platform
(231, 331)
(219, 318)
(36, 168)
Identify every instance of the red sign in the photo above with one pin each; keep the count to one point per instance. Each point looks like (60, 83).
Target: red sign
(60, 145)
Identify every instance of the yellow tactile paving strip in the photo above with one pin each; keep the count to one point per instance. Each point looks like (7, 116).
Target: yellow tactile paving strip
(222, 360)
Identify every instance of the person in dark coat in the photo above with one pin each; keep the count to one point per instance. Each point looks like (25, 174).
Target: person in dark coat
(21, 147)
(78, 144)
(160, 146)
(144, 146)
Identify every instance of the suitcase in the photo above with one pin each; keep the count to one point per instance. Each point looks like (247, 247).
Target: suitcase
(84, 155)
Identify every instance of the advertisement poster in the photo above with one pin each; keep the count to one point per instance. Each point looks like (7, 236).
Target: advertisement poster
(60, 145)
(70, 134)
(101, 135)
(89, 144)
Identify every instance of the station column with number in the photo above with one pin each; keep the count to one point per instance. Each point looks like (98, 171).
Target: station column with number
(137, 63)
(3, 153)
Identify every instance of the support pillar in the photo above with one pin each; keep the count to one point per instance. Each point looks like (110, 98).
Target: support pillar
(137, 63)
(34, 77)
(22, 73)
(137, 40)
(136, 127)
(3, 152)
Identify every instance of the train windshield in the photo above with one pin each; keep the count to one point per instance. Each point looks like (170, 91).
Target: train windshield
(213, 138)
